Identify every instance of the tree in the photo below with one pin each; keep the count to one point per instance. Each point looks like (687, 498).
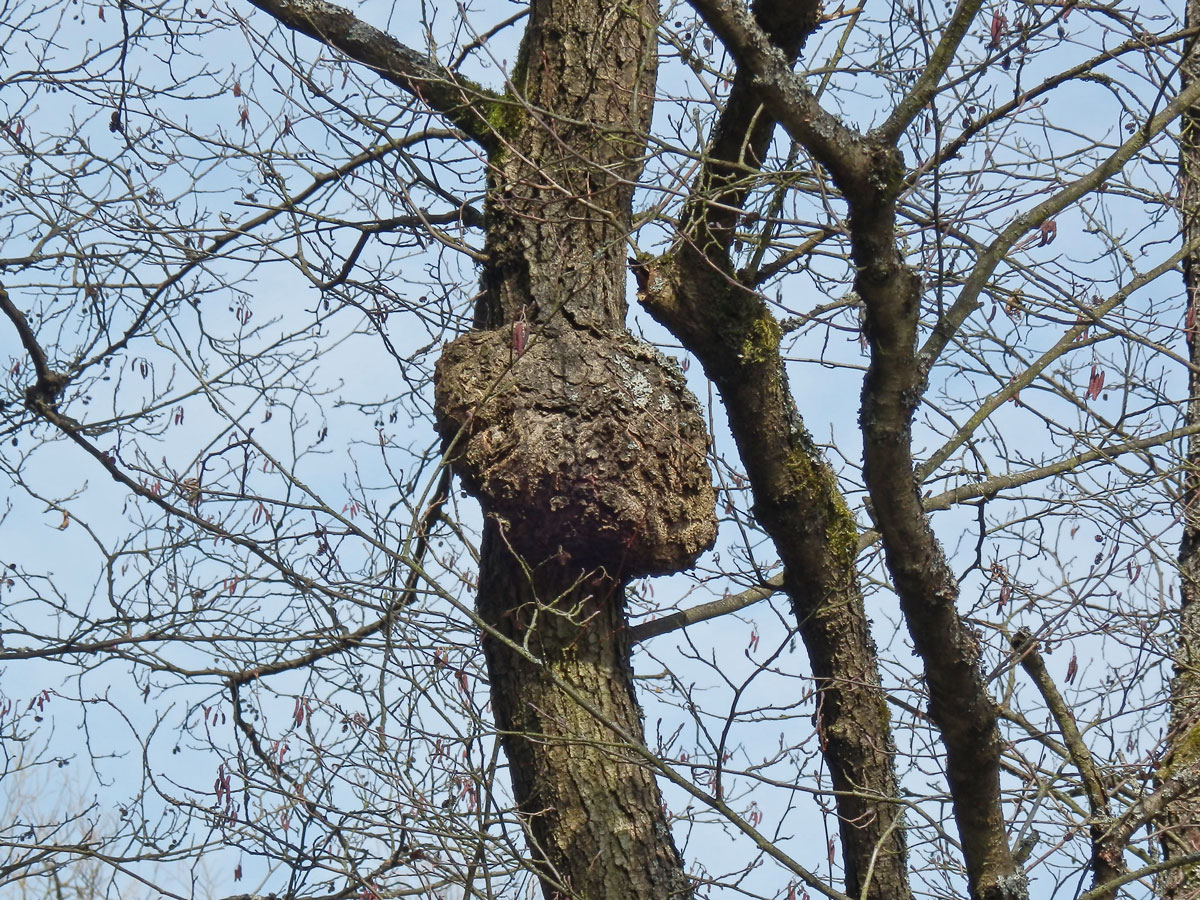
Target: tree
(336, 673)
(1179, 829)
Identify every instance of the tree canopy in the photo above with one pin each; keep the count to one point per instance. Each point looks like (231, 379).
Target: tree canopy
(622, 451)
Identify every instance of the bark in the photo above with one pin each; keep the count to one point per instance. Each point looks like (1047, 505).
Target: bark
(1181, 822)
(584, 447)
(560, 186)
(695, 294)
(869, 172)
(594, 814)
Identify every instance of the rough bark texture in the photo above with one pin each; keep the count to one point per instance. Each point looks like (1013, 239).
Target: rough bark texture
(1181, 825)
(599, 435)
(584, 447)
(594, 814)
(561, 184)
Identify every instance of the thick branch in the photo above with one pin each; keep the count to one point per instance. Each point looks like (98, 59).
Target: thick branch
(797, 498)
(741, 136)
(959, 701)
(459, 99)
(840, 149)
(870, 174)
(798, 501)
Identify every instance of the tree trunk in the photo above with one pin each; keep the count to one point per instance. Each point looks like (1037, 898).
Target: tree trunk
(594, 815)
(583, 445)
(1181, 826)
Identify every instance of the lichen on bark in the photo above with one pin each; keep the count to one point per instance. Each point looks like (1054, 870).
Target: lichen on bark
(579, 445)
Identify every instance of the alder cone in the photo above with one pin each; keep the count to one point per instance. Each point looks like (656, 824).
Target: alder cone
(581, 445)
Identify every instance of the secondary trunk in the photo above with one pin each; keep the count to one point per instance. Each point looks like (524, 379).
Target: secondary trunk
(1181, 827)
(714, 311)
(797, 500)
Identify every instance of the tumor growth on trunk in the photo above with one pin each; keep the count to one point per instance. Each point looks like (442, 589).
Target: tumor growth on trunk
(584, 447)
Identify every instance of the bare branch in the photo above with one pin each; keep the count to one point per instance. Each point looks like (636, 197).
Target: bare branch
(460, 100)
(926, 87)
(1107, 862)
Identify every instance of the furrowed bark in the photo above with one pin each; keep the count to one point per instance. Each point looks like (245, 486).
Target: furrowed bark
(583, 446)
(869, 172)
(593, 811)
(693, 292)
(1180, 823)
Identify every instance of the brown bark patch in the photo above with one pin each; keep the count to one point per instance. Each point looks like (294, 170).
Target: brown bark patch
(581, 445)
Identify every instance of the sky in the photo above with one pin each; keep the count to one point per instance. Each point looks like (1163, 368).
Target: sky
(326, 452)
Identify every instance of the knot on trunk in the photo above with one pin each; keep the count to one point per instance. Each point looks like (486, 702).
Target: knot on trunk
(579, 444)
